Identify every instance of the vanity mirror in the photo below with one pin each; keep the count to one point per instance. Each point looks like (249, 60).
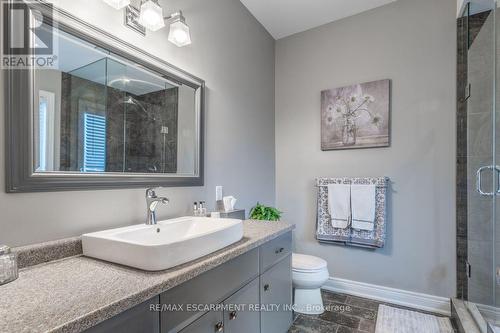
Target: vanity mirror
(105, 114)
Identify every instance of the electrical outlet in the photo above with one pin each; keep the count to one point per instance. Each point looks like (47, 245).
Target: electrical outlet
(218, 193)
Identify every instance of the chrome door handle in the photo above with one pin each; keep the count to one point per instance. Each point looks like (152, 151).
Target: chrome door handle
(497, 169)
(478, 180)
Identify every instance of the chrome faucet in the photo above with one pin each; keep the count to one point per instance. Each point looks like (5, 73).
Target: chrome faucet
(152, 202)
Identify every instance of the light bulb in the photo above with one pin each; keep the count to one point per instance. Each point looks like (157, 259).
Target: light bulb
(151, 16)
(179, 33)
(180, 36)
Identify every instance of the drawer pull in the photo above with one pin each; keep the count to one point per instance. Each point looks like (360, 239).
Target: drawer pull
(267, 287)
(219, 327)
(280, 250)
(233, 315)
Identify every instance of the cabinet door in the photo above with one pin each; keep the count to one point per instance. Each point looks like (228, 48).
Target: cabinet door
(211, 287)
(139, 319)
(210, 322)
(240, 315)
(276, 297)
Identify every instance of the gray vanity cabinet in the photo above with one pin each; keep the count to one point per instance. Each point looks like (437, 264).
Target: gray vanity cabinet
(240, 315)
(260, 278)
(208, 323)
(228, 298)
(236, 315)
(276, 295)
(208, 289)
(139, 319)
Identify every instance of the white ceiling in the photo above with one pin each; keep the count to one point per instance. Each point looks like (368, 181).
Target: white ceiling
(283, 18)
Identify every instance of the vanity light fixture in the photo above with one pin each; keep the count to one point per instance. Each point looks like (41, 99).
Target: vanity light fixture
(149, 16)
(117, 4)
(179, 30)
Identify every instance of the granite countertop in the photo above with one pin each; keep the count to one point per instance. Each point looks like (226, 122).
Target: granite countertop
(75, 293)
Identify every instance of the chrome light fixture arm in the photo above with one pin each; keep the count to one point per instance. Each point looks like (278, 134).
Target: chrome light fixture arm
(175, 15)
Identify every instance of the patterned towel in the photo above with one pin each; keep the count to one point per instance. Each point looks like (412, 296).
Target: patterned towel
(326, 233)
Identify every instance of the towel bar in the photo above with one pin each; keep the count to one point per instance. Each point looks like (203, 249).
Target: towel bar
(377, 186)
(327, 234)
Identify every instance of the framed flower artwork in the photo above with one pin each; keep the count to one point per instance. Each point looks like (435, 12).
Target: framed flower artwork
(356, 116)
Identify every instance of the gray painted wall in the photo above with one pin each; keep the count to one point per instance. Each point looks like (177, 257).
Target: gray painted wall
(235, 55)
(414, 44)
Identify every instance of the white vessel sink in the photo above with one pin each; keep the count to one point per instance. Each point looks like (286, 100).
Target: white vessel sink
(165, 245)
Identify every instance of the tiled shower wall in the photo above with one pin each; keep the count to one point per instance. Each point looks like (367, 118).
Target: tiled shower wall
(461, 158)
(145, 147)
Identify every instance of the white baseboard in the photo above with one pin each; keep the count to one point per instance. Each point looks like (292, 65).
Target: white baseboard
(411, 299)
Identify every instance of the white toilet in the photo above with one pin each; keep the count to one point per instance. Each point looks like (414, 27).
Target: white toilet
(309, 273)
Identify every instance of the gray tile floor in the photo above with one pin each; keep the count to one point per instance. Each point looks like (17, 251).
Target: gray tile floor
(345, 314)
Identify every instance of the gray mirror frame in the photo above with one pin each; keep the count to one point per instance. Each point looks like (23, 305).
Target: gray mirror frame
(20, 176)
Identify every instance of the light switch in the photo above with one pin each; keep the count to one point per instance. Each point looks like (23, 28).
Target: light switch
(218, 193)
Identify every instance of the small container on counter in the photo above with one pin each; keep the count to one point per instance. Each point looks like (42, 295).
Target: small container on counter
(195, 209)
(8, 265)
(203, 209)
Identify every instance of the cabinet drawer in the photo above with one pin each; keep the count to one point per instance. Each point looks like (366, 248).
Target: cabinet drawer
(239, 310)
(275, 250)
(210, 322)
(139, 319)
(211, 287)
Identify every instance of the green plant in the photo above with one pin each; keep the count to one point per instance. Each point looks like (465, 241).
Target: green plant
(261, 212)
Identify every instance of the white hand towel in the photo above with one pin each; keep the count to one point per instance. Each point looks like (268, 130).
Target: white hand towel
(363, 207)
(339, 204)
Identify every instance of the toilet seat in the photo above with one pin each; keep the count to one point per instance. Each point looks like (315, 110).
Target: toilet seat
(307, 264)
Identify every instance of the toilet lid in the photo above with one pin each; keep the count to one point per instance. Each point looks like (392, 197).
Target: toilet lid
(303, 262)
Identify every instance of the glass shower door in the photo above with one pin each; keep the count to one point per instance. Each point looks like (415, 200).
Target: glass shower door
(483, 206)
(492, 313)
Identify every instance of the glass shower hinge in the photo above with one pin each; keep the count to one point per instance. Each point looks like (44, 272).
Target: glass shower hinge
(467, 92)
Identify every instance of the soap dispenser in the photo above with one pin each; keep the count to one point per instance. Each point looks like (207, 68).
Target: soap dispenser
(8, 265)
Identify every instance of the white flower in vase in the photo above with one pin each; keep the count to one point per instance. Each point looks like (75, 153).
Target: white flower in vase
(340, 108)
(377, 120)
(369, 98)
(329, 120)
(352, 107)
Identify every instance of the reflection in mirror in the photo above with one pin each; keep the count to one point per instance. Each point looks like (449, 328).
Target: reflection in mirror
(99, 113)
